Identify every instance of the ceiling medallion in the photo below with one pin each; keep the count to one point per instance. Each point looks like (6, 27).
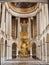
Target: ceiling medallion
(23, 7)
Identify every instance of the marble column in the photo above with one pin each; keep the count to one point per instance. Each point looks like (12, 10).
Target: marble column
(7, 20)
(0, 14)
(29, 28)
(47, 47)
(46, 43)
(33, 29)
(31, 50)
(46, 52)
(0, 52)
(3, 30)
(43, 16)
(17, 51)
(19, 28)
(46, 14)
(3, 18)
(8, 33)
(7, 52)
(44, 26)
(42, 51)
(0, 7)
(29, 34)
(7, 27)
(38, 24)
(10, 25)
(41, 29)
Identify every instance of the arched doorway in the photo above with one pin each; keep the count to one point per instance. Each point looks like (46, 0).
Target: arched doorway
(34, 50)
(14, 50)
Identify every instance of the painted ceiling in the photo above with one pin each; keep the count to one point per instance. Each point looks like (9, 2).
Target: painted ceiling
(23, 7)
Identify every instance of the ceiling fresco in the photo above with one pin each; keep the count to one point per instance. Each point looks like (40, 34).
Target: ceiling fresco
(23, 4)
(23, 7)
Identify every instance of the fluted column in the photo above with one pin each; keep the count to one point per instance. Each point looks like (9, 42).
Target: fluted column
(3, 18)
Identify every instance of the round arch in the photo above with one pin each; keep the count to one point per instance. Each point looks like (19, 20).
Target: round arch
(2, 48)
(19, 14)
(34, 50)
(14, 50)
(5, 48)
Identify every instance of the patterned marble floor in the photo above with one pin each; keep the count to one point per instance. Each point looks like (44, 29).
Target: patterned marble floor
(23, 62)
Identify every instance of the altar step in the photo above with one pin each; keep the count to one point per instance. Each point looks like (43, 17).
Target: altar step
(33, 62)
(21, 59)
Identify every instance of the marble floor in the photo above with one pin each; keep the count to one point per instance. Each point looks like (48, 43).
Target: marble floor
(23, 62)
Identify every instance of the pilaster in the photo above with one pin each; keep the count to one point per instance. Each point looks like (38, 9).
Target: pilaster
(3, 18)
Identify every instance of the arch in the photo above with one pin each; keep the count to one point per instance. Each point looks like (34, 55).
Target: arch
(5, 48)
(44, 47)
(14, 50)
(2, 47)
(34, 50)
(19, 14)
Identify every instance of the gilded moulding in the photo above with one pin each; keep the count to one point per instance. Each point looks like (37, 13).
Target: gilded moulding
(23, 10)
